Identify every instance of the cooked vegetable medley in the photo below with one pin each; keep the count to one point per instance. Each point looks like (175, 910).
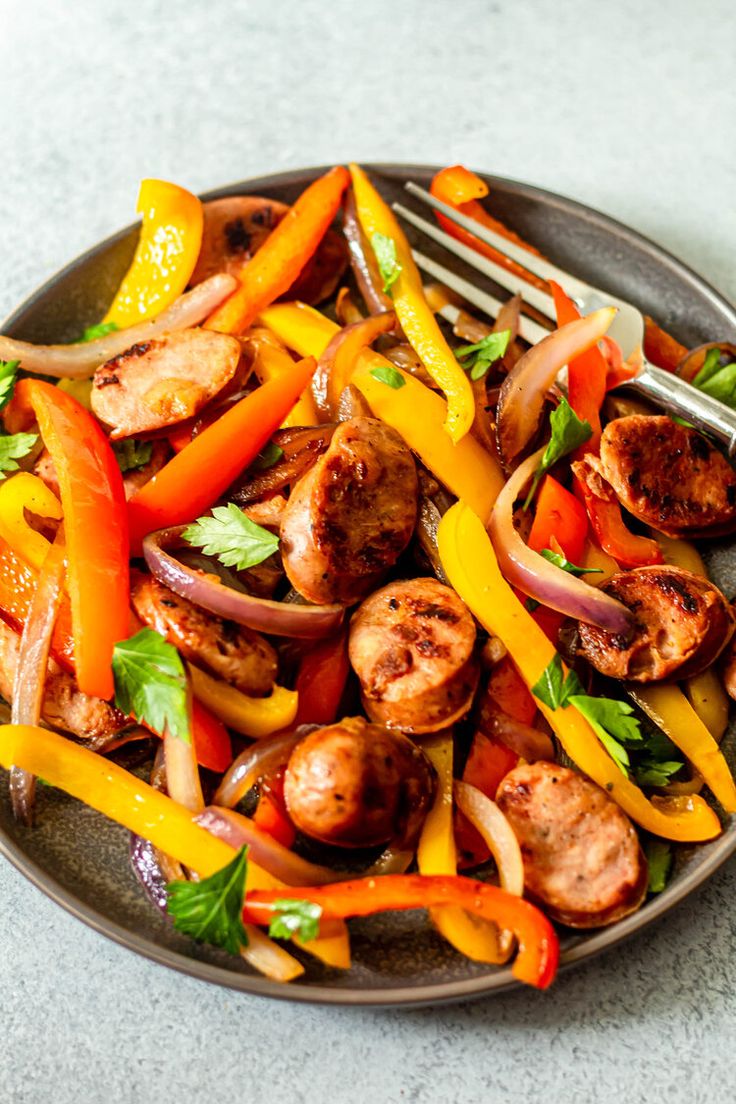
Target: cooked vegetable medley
(359, 591)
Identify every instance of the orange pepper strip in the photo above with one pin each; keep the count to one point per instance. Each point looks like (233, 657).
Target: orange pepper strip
(286, 250)
(194, 478)
(538, 954)
(18, 583)
(93, 501)
(586, 374)
(210, 739)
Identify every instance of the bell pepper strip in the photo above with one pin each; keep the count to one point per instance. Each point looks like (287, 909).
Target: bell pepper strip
(436, 854)
(271, 816)
(488, 763)
(18, 584)
(167, 251)
(120, 796)
(253, 717)
(538, 954)
(460, 188)
(93, 505)
(595, 559)
(681, 553)
(413, 311)
(20, 493)
(283, 255)
(321, 679)
(670, 710)
(508, 690)
(470, 564)
(416, 412)
(627, 548)
(709, 700)
(336, 365)
(586, 374)
(79, 389)
(660, 348)
(196, 477)
(558, 516)
(210, 739)
(272, 361)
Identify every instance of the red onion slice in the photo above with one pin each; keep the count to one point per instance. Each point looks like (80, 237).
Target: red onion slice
(262, 614)
(541, 579)
(80, 360)
(362, 261)
(257, 760)
(335, 366)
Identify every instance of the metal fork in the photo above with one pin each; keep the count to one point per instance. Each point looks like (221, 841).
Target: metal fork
(664, 389)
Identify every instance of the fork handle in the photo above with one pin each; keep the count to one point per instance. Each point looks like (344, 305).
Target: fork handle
(677, 397)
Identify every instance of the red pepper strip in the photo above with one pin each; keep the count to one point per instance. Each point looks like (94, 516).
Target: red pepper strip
(660, 348)
(271, 815)
(538, 954)
(283, 255)
(586, 374)
(508, 690)
(93, 502)
(17, 586)
(197, 476)
(627, 548)
(320, 682)
(558, 515)
(487, 764)
(211, 739)
(460, 188)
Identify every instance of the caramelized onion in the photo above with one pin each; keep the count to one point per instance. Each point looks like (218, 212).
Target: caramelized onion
(300, 447)
(497, 833)
(263, 757)
(335, 366)
(262, 614)
(266, 851)
(363, 261)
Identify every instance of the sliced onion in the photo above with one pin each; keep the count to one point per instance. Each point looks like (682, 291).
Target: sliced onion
(266, 851)
(497, 833)
(146, 867)
(335, 366)
(301, 448)
(521, 401)
(182, 773)
(259, 759)
(262, 614)
(33, 657)
(528, 742)
(541, 579)
(363, 261)
(79, 360)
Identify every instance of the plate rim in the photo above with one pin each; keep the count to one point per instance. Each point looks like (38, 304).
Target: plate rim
(403, 995)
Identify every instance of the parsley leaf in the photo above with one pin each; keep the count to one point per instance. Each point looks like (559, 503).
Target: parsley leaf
(553, 687)
(296, 917)
(8, 372)
(613, 723)
(568, 433)
(388, 265)
(12, 448)
(269, 455)
(653, 772)
(560, 561)
(231, 536)
(711, 365)
(211, 910)
(385, 373)
(132, 454)
(659, 860)
(100, 330)
(483, 353)
(150, 683)
(717, 381)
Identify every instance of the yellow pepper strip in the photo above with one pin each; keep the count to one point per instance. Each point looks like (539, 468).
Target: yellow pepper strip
(670, 710)
(166, 254)
(414, 312)
(705, 691)
(436, 854)
(119, 795)
(595, 558)
(20, 493)
(471, 566)
(79, 389)
(272, 360)
(414, 411)
(254, 717)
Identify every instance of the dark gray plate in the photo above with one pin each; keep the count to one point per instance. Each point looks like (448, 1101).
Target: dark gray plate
(80, 860)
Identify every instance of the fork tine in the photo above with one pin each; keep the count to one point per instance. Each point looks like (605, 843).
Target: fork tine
(530, 261)
(529, 330)
(499, 275)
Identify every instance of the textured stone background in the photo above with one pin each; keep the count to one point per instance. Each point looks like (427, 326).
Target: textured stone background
(626, 106)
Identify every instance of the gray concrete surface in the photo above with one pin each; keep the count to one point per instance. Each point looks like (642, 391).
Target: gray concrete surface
(627, 106)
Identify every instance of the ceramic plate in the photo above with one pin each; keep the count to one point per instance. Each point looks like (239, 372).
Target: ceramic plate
(80, 860)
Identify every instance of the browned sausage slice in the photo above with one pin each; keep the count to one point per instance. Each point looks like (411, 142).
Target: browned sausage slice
(161, 382)
(355, 784)
(582, 859)
(351, 516)
(228, 651)
(682, 623)
(411, 646)
(668, 476)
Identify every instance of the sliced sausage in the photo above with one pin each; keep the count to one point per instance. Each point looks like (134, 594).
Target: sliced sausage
(668, 475)
(235, 228)
(355, 784)
(163, 381)
(352, 515)
(682, 623)
(228, 651)
(93, 720)
(412, 647)
(582, 859)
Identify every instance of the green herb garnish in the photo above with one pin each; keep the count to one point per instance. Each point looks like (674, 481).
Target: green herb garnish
(132, 454)
(13, 448)
(388, 265)
(296, 918)
(483, 354)
(568, 433)
(100, 330)
(659, 860)
(8, 374)
(150, 683)
(389, 375)
(211, 910)
(231, 536)
(560, 561)
(269, 455)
